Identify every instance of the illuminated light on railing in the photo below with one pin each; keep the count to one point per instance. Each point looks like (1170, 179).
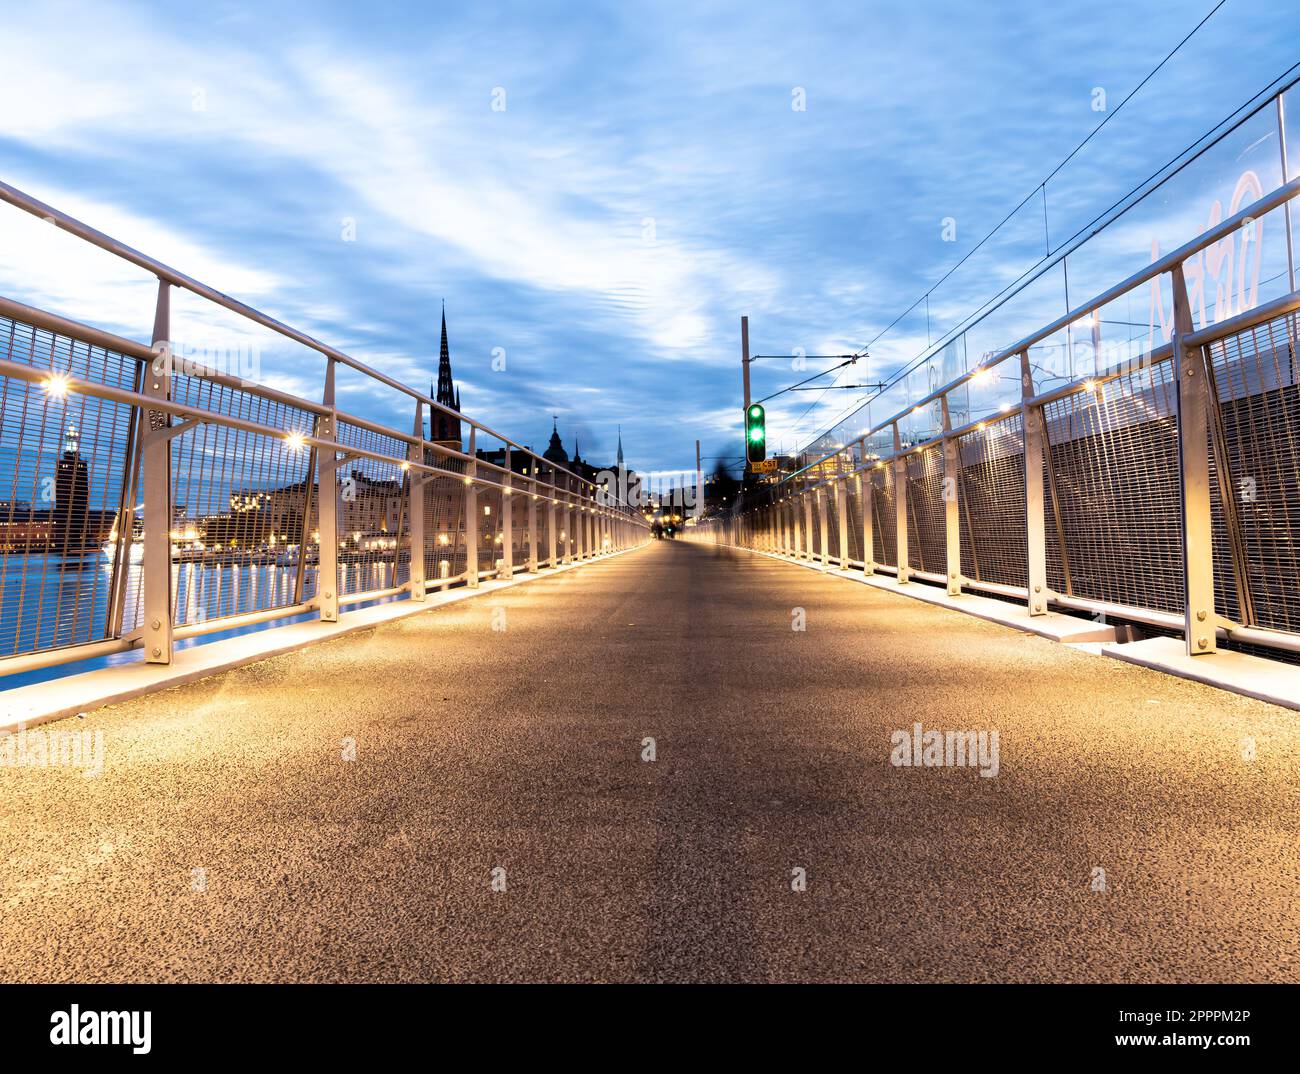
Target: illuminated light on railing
(56, 385)
(406, 466)
(296, 441)
(1089, 385)
(983, 375)
(1005, 407)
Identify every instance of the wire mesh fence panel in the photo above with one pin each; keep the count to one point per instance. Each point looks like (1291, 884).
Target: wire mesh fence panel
(992, 500)
(309, 568)
(1058, 579)
(814, 525)
(831, 507)
(489, 530)
(883, 524)
(374, 531)
(65, 496)
(239, 505)
(564, 529)
(543, 528)
(520, 500)
(927, 547)
(444, 524)
(1256, 377)
(1114, 459)
(854, 513)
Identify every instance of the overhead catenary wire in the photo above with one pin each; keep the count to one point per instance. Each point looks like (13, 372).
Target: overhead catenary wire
(1041, 185)
(1101, 220)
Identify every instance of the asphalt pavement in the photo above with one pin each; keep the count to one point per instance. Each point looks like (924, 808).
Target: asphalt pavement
(466, 795)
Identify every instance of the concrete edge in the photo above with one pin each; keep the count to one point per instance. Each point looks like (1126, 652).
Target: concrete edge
(56, 699)
(1239, 673)
(1055, 626)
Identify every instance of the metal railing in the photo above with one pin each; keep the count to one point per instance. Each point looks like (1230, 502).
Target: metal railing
(1163, 490)
(146, 498)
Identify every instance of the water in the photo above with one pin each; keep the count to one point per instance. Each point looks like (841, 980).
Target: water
(51, 601)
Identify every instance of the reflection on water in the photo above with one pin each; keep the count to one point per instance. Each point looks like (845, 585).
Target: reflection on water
(48, 601)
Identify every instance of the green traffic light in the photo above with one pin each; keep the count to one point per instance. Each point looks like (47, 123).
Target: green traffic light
(756, 436)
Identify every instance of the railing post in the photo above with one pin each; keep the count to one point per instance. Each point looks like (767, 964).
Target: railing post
(531, 463)
(416, 483)
(580, 520)
(1200, 620)
(867, 490)
(900, 505)
(507, 569)
(568, 514)
(808, 523)
(471, 512)
(156, 566)
(1032, 436)
(327, 509)
(823, 495)
(842, 513)
(951, 507)
(552, 538)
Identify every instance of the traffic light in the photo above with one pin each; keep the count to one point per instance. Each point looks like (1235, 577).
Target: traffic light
(755, 433)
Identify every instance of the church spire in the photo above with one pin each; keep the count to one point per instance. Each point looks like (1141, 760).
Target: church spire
(446, 393)
(443, 428)
(620, 447)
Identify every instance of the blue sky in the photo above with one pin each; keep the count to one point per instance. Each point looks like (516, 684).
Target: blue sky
(647, 182)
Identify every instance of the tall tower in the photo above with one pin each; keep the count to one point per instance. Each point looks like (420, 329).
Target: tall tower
(71, 495)
(444, 429)
(620, 447)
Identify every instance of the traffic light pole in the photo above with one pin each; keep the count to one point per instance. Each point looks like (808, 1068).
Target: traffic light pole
(699, 482)
(744, 358)
(744, 425)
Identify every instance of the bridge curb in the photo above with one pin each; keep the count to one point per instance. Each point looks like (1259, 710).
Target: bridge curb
(1239, 673)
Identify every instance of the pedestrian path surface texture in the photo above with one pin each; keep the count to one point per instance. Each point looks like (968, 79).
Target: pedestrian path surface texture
(687, 763)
